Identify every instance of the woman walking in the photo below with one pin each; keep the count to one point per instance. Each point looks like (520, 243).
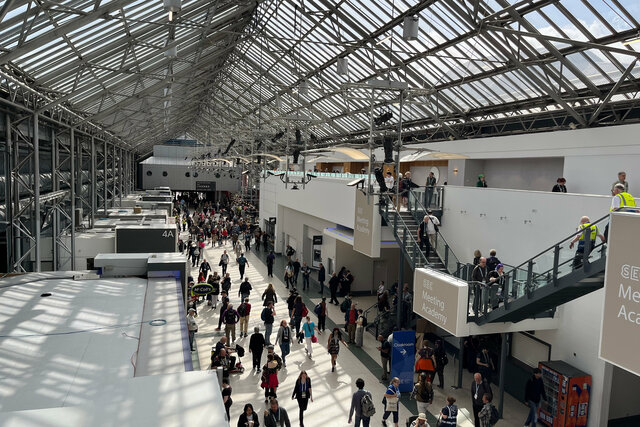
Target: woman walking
(302, 393)
(334, 346)
(308, 328)
(248, 418)
(269, 295)
(391, 399)
(284, 339)
(269, 379)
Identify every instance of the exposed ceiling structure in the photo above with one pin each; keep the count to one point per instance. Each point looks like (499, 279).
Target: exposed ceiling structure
(248, 70)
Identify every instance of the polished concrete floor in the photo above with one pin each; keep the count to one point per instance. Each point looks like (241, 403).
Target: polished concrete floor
(331, 391)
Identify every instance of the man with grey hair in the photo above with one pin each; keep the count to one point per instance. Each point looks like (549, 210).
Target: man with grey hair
(622, 176)
(585, 223)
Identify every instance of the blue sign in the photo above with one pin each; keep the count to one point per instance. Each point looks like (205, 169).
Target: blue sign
(403, 358)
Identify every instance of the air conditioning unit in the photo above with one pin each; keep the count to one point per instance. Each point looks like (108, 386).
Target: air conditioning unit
(77, 214)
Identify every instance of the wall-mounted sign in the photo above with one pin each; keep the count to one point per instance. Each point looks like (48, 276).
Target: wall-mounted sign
(317, 240)
(620, 332)
(272, 220)
(205, 186)
(201, 289)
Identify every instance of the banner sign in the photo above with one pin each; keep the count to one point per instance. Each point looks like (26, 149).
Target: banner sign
(201, 289)
(440, 299)
(620, 332)
(403, 358)
(366, 226)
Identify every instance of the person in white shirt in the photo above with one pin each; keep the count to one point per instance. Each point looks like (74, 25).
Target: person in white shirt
(389, 181)
(431, 227)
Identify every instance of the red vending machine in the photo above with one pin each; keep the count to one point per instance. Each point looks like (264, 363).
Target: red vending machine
(568, 391)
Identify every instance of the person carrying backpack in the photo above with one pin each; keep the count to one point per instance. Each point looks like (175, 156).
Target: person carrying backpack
(423, 393)
(230, 318)
(362, 405)
(488, 415)
(244, 309)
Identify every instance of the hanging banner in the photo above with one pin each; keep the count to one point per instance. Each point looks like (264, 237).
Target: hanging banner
(366, 226)
(403, 358)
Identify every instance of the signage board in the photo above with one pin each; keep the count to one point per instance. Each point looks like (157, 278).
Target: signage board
(403, 358)
(316, 259)
(440, 299)
(201, 289)
(620, 332)
(366, 226)
(205, 186)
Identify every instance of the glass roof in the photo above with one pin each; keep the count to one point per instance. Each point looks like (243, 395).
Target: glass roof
(224, 68)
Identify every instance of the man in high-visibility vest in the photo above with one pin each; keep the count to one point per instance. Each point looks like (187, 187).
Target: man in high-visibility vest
(621, 199)
(585, 223)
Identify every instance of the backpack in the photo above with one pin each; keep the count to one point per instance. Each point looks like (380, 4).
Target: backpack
(267, 315)
(367, 406)
(345, 305)
(242, 310)
(230, 316)
(495, 416)
(365, 322)
(317, 309)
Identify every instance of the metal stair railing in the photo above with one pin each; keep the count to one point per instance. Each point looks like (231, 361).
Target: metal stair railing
(404, 236)
(451, 262)
(542, 270)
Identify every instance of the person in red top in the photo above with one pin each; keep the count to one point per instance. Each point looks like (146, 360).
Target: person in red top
(351, 317)
(426, 363)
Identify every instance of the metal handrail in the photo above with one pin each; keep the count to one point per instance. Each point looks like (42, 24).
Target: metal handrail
(384, 209)
(449, 251)
(571, 236)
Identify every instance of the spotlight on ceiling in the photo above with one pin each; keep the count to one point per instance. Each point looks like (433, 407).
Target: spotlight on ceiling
(383, 118)
(173, 7)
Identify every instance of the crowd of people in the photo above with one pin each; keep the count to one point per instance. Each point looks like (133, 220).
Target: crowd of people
(226, 225)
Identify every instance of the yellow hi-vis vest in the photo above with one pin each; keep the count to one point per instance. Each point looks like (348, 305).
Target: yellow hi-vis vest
(592, 233)
(626, 200)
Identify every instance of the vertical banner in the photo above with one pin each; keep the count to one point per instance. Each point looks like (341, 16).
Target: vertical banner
(403, 358)
(366, 228)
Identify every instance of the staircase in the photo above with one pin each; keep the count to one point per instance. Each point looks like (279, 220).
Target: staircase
(536, 287)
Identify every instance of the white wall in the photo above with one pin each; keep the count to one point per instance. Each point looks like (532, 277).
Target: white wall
(177, 180)
(327, 198)
(538, 174)
(595, 174)
(553, 217)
